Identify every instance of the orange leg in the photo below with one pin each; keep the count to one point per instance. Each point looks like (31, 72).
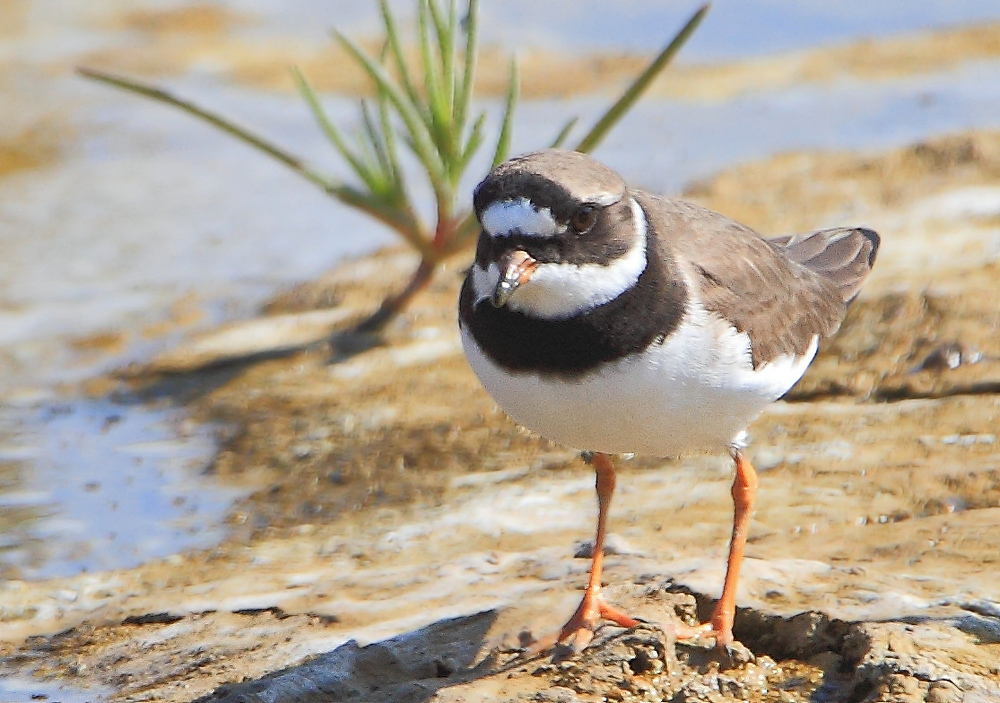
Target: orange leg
(580, 628)
(744, 492)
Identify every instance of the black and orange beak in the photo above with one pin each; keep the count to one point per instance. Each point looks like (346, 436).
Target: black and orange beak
(515, 270)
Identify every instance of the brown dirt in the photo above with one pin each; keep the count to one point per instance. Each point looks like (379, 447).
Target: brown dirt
(884, 59)
(395, 498)
(31, 147)
(191, 19)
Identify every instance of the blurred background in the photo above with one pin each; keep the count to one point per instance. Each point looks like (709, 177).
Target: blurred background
(126, 226)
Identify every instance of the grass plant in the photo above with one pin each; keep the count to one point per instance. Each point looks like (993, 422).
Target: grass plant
(426, 107)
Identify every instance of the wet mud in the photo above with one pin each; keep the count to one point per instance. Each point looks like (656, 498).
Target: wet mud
(405, 537)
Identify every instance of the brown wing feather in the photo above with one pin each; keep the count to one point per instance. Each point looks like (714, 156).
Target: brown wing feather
(759, 285)
(844, 255)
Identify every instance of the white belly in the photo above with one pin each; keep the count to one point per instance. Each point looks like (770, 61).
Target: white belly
(697, 391)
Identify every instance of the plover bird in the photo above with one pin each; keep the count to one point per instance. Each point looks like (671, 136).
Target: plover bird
(616, 321)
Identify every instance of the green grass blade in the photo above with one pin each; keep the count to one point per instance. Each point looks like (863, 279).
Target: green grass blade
(513, 89)
(638, 87)
(388, 137)
(401, 221)
(421, 139)
(330, 130)
(564, 132)
(392, 37)
(391, 148)
(231, 128)
(430, 58)
(472, 145)
(432, 84)
(451, 66)
(470, 54)
(374, 136)
(373, 176)
(444, 31)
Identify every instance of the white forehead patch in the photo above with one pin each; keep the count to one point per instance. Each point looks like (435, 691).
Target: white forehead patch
(560, 291)
(506, 217)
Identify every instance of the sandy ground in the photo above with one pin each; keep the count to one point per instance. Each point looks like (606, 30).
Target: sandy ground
(396, 501)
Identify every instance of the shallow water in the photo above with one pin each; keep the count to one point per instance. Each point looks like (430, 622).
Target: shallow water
(147, 226)
(24, 688)
(93, 485)
(733, 28)
(698, 139)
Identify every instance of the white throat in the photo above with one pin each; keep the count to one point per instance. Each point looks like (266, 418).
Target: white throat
(560, 291)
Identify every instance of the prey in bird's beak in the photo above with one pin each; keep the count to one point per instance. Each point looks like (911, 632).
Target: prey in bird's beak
(516, 268)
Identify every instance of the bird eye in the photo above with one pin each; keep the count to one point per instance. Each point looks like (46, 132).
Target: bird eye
(584, 218)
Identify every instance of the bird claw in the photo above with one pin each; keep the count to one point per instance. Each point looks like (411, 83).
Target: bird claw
(735, 652)
(706, 630)
(578, 632)
(592, 609)
(573, 644)
(694, 632)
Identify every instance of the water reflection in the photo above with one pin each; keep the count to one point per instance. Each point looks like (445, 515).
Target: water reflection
(89, 485)
(23, 688)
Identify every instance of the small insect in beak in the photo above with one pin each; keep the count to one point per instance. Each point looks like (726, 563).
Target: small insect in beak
(517, 268)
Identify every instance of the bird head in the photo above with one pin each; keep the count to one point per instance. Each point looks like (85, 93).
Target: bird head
(560, 234)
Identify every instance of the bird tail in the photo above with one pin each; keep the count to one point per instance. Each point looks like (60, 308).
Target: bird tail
(843, 255)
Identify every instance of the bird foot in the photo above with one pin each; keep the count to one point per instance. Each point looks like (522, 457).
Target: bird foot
(718, 628)
(735, 653)
(723, 636)
(578, 631)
